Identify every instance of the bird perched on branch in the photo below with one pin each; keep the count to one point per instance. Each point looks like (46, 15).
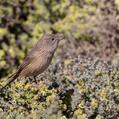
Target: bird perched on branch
(38, 59)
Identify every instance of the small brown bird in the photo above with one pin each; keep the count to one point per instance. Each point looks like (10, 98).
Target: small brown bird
(39, 58)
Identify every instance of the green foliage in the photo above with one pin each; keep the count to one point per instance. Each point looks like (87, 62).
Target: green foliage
(72, 87)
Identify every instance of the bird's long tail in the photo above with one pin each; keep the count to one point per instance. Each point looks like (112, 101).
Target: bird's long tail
(9, 80)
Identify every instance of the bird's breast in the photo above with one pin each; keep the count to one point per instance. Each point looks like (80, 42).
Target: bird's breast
(37, 65)
(42, 64)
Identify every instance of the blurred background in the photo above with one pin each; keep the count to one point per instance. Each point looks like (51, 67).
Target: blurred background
(91, 28)
(73, 87)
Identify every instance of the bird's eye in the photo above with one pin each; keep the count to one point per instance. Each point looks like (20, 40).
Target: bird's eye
(53, 39)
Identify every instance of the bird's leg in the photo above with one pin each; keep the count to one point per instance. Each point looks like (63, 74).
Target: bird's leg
(34, 79)
(27, 80)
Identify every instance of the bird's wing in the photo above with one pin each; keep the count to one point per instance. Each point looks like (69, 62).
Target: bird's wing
(27, 60)
(35, 51)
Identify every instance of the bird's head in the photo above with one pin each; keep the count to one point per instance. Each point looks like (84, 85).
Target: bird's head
(51, 41)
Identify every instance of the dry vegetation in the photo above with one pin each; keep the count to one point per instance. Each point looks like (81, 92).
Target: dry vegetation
(82, 81)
